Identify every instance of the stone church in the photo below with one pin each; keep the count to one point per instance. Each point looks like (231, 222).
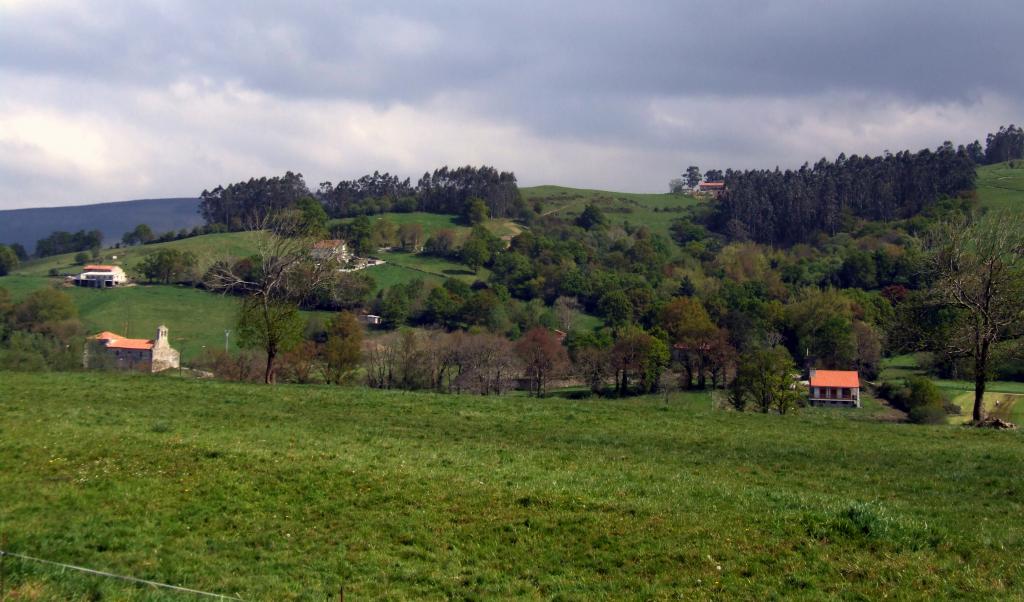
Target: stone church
(108, 349)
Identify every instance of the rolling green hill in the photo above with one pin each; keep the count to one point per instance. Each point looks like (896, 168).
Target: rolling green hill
(286, 493)
(656, 211)
(1001, 186)
(207, 248)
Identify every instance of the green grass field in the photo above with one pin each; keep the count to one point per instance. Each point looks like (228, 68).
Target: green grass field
(636, 209)
(1001, 186)
(286, 493)
(207, 248)
(196, 318)
(390, 274)
(1001, 397)
(431, 222)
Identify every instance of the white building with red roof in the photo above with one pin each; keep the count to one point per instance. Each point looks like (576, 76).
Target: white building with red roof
(834, 387)
(101, 276)
(144, 355)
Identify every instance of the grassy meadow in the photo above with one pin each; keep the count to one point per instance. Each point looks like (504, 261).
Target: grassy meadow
(1004, 399)
(1001, 186)
(196, 318)
(656, 211)
(207, 249)
(285, 493)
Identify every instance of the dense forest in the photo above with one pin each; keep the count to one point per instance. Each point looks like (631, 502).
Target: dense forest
(794, 206)
(787, 207)
(69, 242)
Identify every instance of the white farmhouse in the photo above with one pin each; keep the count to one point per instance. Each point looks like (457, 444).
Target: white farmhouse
(101, 276)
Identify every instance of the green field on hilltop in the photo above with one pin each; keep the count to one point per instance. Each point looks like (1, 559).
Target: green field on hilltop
(1001, 186)
(431, 222)
(655, 211)
(207, 248)
(289, 492)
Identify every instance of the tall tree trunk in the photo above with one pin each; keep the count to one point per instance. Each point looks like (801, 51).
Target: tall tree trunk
(268, 376)
(980, 376)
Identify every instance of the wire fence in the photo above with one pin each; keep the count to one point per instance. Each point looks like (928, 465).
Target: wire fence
(185, 590)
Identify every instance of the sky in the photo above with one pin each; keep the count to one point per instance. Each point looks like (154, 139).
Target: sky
(111, 100)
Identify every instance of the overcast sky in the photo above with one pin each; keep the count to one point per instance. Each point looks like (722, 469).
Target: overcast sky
(112, 100)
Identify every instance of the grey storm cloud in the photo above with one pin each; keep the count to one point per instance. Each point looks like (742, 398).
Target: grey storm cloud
(651, 83)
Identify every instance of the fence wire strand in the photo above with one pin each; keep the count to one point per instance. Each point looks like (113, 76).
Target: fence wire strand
(121, 577)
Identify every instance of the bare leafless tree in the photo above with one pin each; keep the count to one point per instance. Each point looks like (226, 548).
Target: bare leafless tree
(274, 281)
(978, 265)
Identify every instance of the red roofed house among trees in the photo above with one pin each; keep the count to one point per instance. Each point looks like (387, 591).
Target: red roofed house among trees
(133, 354)
(835, 387)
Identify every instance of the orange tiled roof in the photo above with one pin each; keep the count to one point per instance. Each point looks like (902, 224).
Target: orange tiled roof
(116, 341)
(130, 344)
(99, 268)
(328, 244)
(712, 184)
(835, 378)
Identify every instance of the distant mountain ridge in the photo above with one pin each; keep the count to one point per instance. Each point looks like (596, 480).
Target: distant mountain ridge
(26, 226)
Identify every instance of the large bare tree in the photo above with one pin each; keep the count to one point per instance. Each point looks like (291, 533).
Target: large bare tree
(273, 282)
(978, 265)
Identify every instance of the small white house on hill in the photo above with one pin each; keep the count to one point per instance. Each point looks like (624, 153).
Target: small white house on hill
(101, 276)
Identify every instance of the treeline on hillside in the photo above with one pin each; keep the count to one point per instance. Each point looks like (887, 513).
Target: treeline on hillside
(788, 207)
(794, 206)
(61, 242)
(445, 190)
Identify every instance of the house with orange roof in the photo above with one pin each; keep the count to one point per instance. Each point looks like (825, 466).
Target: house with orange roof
(834, 388)
(146, 355)
(101, 276)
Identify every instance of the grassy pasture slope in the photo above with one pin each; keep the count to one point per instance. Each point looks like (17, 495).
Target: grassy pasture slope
(281, 493)
(620, 207)
(1001, 186)
(195, 318)
(1003, 398)
(207, 248)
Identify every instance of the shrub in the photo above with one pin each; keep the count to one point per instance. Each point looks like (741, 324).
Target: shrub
(919, 398)
(928, 414)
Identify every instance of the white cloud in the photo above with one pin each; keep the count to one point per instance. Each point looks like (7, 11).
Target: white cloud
(123, 142)
(109, 100)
